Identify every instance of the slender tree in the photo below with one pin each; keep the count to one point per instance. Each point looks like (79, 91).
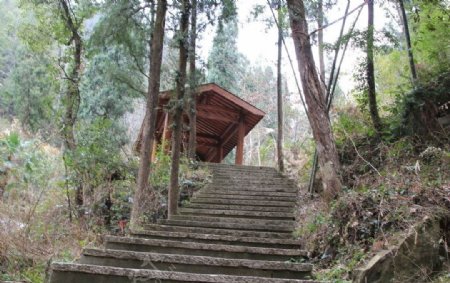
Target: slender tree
(142, 199)
(370, 73)
(177, 108)
(279, 91)
(408, 41)
(192, 82)
(320, 20)
(315, 100)
(65, 28)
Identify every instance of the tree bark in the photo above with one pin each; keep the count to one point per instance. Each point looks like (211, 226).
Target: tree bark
(142, 197)
(193, 84)
(178, 110)
(320, 42)
(408, 41)
(315, 100)
(279, 94)
(373, 109)
(72, 97)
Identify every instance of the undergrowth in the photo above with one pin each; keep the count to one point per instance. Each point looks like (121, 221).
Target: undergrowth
(35, 222)
(390, 185)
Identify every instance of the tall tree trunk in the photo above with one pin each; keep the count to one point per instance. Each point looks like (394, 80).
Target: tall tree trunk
(315, 100)
(178, 110)
(142, 197)
(193, 83)
(408, 41)
(373, 109)
(320, 42)
(279, 94)
(72, 98)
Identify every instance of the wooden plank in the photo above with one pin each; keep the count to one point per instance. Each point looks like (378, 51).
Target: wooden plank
(232, 98)
(211, 112)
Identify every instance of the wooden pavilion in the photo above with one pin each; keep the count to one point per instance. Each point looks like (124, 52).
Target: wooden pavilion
(223, 121)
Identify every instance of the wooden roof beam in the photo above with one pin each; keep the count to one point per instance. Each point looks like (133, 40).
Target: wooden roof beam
(211, 112)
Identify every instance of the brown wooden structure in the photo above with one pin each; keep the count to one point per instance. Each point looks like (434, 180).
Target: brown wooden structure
(223, 120)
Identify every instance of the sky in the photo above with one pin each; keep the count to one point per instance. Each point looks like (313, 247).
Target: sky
(258, 43)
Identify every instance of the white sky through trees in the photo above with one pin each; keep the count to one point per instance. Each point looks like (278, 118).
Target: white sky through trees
(258, 43)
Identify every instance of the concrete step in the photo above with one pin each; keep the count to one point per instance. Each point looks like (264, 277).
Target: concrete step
(238, 213)
(196, 264)
(201, 249)
(212, 190)
(251, 178)
(253, 183)
(286, 189)
(236, 207)
(219, 239)
(242, 202)
(223, 166)
(234, 226)
(246, 221)
(248, 176)
(206, 194)
(214, 231)
(84, 273)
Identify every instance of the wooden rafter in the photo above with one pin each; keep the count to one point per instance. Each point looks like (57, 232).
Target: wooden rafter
(211, 112)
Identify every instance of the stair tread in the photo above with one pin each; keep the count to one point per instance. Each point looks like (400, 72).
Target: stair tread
(210, 190)
(225, 225)
(206, 230)
(204, 246)
(132, 274)
(217, 237)
(219, 212)
(196, 260)
(239, 207)
(243, 202)
(206, 194)
(251, 221)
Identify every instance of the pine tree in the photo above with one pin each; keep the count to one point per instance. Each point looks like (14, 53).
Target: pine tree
(224, 61)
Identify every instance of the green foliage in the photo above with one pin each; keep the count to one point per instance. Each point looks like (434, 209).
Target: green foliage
(27, 165)
(47, 26)
(351, 122)
(431, 38)
(225, 63)
(98, 155)
(30, 91)
(105, 86)
(8, 41)
(415, 112)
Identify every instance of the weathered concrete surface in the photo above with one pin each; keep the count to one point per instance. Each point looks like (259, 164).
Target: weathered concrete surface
(236, 213)
(416, 256)
(194, 248)
(239, 207)
(240, 220)
(67, 273)
(230, 232)
(236, 229)
(196, 264)
(218, 239)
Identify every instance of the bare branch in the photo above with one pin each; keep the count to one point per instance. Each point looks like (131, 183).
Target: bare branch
(339, 19)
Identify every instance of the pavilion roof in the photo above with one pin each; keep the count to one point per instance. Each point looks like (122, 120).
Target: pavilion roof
(219, 113)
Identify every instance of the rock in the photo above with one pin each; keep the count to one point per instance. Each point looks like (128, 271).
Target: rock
(415, 257)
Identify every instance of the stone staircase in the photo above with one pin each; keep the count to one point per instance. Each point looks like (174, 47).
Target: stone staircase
(237, 229)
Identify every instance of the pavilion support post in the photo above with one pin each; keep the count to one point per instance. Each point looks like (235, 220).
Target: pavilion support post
(155, 144)
(240, 141)
(167, 134)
